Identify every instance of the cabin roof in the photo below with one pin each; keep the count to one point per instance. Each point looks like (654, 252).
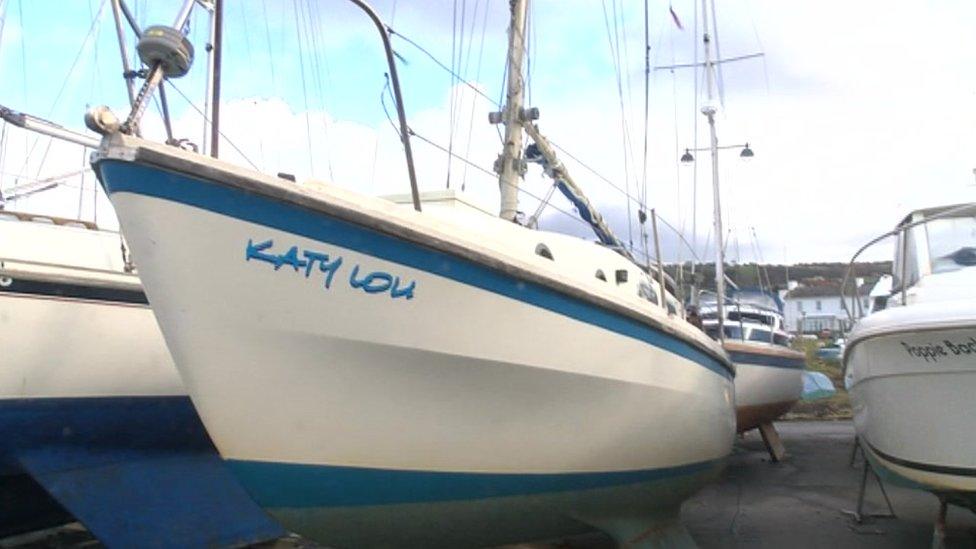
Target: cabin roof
(964, 209)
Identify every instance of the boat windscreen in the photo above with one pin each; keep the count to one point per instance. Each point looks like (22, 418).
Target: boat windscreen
(952, 243)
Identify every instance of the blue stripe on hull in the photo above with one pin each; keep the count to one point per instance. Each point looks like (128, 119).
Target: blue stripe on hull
(136, 471)
(120, 176)
(291, 485)
(740, 357)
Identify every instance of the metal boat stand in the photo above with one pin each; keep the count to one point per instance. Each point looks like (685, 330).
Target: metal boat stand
(939, 530)
(857, 446)
(858, 513)
(772, 441)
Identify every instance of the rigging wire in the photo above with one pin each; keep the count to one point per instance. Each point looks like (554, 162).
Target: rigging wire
(314, 23)
(762, 49)
(615, 55)
(454, 79)
(92, 29)
(472, 87)
(477, 77)
(301, 64)
(204, 115)
(267, 34)
(247, 34)
(497, 103)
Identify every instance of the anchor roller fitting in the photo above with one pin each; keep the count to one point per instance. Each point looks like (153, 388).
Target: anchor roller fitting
(167, 47)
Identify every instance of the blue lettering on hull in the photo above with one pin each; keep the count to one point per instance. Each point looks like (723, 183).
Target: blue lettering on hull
(371, 282)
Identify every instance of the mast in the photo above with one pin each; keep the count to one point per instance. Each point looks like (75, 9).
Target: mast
(509, 165)
(709, 111)
(218, 48)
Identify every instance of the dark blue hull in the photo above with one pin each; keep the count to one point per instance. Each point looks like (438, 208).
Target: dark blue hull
(136, 471)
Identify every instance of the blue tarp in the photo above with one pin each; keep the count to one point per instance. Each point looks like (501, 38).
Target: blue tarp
(816, 386)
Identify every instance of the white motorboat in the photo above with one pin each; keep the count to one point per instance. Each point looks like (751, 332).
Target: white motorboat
(377, 375)
(769, 374)
(912, 366)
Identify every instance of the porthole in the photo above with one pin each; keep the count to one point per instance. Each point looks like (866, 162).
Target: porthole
(543, 250)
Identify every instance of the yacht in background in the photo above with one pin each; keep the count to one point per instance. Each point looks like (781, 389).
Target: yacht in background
(769, 373)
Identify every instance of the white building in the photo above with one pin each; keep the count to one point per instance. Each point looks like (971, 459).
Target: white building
(814, 308)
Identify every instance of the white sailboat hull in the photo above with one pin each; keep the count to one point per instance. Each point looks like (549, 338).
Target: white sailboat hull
(913, 373)
(75, 348)
(455, 395)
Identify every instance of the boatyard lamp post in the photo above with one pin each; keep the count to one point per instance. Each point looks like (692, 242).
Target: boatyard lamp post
(746, 152)
(686, 158)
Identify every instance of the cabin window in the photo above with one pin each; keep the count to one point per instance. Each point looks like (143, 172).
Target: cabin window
(951, 243)
(781, 339)
(621, 276)
(647, 292)
(760, 335)
(819, 305)
(600, 275)
(543, 250)
(731, 332)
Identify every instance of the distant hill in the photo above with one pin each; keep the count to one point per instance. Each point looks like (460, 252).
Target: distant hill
(747, 274)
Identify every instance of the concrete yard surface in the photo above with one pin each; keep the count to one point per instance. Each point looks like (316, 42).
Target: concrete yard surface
(799, 502)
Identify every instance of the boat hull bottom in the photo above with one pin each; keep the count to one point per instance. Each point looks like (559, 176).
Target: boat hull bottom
(643, 514)
(909, 477)
(751, 417)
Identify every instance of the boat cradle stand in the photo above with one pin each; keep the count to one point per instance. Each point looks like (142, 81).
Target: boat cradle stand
(774, 445)
(858, 513)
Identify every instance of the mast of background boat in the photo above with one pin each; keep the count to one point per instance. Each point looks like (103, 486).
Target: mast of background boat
(709, 112)
(510, 165)
(127, 69)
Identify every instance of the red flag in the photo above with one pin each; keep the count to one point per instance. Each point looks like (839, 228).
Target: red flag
(675, 17)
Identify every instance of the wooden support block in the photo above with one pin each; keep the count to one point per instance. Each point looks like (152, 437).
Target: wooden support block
(773, 444)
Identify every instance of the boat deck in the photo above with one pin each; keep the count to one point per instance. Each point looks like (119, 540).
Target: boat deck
(796, 503)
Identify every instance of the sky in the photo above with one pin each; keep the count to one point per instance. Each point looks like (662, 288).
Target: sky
(858, 112)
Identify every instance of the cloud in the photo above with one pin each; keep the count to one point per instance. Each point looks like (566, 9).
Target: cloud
(856, 116)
